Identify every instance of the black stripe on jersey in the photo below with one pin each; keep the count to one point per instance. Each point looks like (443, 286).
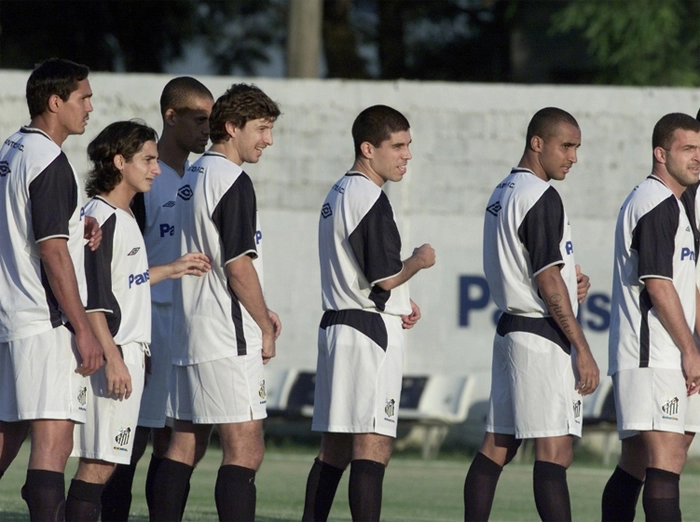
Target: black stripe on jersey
(138, 208)
(645, 306)
(688, 200)
(367, 323)
(654, 239)
(542, 230)
(237, 318)
(53, 197)
(542, 326)
(98, 274)
(235, 220)
(51, 301)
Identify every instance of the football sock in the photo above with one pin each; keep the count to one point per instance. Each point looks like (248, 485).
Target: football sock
(83, 501)
(150, 477)
(320, 491)
(661, 499)
(480, 488)
(170, 486)
(235, 493)
(551, 492)
(116, 497)
(44, 493)
(620, 497)
(365, 491)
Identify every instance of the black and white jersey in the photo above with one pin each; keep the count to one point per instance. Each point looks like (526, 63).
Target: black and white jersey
(359, 246)
(221, 221)
(526, 230)
(157, 213)
(653, 239)
(117, 274)
(39, 200)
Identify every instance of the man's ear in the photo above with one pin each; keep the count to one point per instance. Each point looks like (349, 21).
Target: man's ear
(367, 149)
(169, 117)
(660, 155)
(119, 162)
(231, 129)
(536, 143)
(54, 103)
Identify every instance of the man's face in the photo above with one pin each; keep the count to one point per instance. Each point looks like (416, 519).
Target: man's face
(73, 114)
(143, 168)
(191, 124)
(390, 159)
(558, 152)
(250, 141)
(683, 157)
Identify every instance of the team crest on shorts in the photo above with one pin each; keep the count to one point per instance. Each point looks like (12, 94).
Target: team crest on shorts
(262, 392)
(577, 408)
(122, 438)
(670, 408)
(390, 409)
(82, 397)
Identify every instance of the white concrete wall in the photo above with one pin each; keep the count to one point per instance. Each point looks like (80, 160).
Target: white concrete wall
(465, 139)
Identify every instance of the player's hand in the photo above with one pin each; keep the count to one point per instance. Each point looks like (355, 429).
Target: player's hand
(118, 378)
(276, 323)
(92, 232)
(583, 284)
(268, 347)
(691, 371)
(588, 373)
(90, 351)
(426, 255)
(192, 263)
(409, 321)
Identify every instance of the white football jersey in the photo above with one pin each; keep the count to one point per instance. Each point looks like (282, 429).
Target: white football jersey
(359, 246)
(653, 239)
(117, 274)
(39, 200)
(220, 220)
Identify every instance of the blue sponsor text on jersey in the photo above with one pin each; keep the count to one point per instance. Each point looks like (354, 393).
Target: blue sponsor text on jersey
(166, 230)
(258, 236)
(687, 254)
(138, 279)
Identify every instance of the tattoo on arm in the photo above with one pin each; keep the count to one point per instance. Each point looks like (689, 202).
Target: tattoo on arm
(554, 303)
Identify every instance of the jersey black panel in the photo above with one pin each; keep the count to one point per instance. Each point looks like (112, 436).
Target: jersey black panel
(542, 229)
(53, 195)
(645, 306)
(138, 208)
(237, 317)
(51, 301)
(98, 272)
(376, 242)
(368, 323)
(234, 218)
(541, 326)
(688, 199)
(654, 239)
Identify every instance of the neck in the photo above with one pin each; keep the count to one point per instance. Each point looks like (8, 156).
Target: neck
(361, 165)
(660, 172)
(529, 162)
(227, 149)
(172, 155)
(45, 123)
(120, 197)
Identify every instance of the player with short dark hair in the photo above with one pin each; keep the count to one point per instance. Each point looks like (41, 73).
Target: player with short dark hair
(654, 358)
(185, 107)
(42, 285)
(366, 307)
(530, 268)
(223, 330)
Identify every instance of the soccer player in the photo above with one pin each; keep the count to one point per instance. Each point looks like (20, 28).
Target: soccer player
(223, 330)
(44, 365)
(653, 357)
(124, 158)
(367, 304)
(185, 105)
(529, 265)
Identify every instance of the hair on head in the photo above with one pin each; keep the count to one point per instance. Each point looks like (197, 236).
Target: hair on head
(178, 93)
(667, 125)
(545, 121)
(376, 124)
(53, 76)
(240, 104)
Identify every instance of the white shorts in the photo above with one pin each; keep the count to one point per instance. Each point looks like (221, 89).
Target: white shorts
(358, 375)
(650, 399)
(692, 416)
(154, 402)
(38, 379)
(223, 391)
(108, 434)
(532, 388)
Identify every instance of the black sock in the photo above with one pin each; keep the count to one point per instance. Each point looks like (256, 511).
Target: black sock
(83, 501)
(235, 493)
(170, 485)
(620, 497)
(366, 478)
(661, 498)
(150, 478)
(320, 491)
(116, 496)
(551, 492)
(45, 495)
(480, 488)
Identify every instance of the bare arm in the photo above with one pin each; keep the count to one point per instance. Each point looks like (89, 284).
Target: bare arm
(243, 280)
(423, 257)
(189, 264)
(61, 275)
(118, 378)
(556, 296)
(668, 307)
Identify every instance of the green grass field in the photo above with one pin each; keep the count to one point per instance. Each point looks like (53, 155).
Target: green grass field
(414, 489)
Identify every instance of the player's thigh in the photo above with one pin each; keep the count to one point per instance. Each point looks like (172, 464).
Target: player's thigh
(372, 446)
(666, 450)
(336, 449)
(185, 440)
(559, 450)
(242, 443)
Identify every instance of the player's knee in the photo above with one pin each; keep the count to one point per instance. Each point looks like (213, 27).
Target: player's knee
(512, 450)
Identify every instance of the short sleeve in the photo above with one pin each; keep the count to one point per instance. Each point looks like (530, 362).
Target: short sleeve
(542, 230)
(54, 196)
(235, 219)
(654, 240)
(376, 242)
(98, 270)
